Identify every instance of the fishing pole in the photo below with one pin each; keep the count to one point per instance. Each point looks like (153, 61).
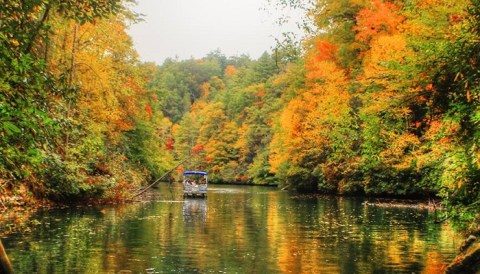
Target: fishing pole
(158, 180)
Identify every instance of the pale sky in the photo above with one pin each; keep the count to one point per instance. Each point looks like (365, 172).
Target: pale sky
(193, 28)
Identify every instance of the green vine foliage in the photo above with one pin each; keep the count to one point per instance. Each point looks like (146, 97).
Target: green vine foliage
(459, 97)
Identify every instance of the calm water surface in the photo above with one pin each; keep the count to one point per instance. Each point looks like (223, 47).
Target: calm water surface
(235, 230)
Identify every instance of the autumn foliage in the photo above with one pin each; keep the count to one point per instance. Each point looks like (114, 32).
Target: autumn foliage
(381, 99)
(372, 107)
(82, 98)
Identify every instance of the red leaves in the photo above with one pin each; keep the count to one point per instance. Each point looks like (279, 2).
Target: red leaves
(326, 51)
(148, 109)
(169, 144)
(197, 149)
(455, 18)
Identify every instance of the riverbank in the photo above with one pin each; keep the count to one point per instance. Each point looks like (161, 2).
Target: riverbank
(468, 259)
(405, 203)
(417, 203)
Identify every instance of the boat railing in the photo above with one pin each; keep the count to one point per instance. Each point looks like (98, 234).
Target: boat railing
(195, 183)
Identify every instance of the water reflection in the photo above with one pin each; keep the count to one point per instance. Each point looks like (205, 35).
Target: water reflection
(194, 210)
(235, 230)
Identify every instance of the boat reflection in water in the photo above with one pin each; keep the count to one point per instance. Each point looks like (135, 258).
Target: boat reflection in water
(195, 210)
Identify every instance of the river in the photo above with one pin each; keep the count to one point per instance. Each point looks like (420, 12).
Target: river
(236, 229)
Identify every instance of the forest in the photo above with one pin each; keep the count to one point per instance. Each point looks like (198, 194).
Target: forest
(382, 98)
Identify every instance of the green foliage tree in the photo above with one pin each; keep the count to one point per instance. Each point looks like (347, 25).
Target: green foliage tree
(456, 107)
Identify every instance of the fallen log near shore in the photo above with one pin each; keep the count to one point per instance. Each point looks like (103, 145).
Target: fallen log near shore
(5, 265)
(468, 261)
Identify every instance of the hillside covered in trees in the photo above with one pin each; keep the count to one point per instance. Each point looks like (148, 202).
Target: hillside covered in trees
(382, 98)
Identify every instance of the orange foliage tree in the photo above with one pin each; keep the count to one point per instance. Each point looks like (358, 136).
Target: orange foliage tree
(315, 131)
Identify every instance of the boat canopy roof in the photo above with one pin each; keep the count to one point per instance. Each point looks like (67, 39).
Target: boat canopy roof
(195, 173)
